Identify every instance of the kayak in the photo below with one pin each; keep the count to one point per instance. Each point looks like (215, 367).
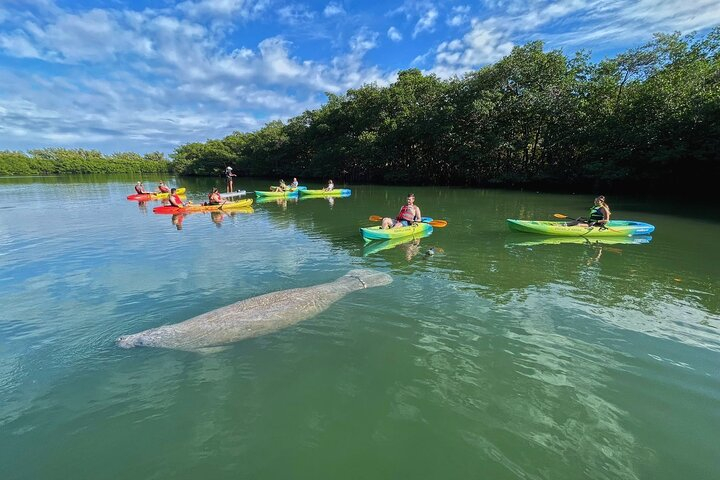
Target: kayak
(143, 197)
(285, 194)
(379, 233)
(374, 247)
(615, 228)
(636, 240)
(340, 192)
(168, 209)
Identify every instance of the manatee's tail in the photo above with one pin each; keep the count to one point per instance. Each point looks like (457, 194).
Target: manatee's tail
(369, 278)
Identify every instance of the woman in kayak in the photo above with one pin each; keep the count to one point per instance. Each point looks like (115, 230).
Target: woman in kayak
(599, 215)
(140, 189)
(163, 188)
(281, 188)
(214, 197)
(330, 186)
(408, 215)
(294, 183)
(175, 200)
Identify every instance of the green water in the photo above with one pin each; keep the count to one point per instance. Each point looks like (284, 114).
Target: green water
(499, 357)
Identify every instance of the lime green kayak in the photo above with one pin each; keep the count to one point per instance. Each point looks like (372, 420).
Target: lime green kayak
(285, 194)
(340, 192)
(374, 247)
(615, 228)
(379, 233)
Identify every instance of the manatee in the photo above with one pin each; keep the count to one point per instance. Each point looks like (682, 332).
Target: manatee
(254, 316)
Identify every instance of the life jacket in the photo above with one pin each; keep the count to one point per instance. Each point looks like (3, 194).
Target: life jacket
(175, 200)
(596, 213)
(164, 188)
(139, 189)
(407, 213)
(214, 198)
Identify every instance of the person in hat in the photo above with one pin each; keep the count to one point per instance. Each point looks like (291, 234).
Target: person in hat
(229, 177)
(140, 189)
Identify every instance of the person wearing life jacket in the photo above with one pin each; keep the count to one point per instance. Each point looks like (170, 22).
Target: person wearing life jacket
(408, 215)
(163, 188)
(330, 186)
(599, 215)
(140, 189)
(214, 197)
(175, 200)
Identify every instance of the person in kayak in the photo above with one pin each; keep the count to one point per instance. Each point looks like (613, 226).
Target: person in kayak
(140, 189)
(409, 214)
(163, 188)
(330, 186)
(175, 200)
(214, 197)
(229, 178)
(281, 188)
(294, 183)
(599, 215)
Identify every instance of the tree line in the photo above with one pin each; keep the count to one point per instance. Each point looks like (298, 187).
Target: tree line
(648, 118)
(58, 161)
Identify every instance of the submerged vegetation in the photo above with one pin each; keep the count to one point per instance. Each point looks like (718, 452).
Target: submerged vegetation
(57, 161)
(649, 117)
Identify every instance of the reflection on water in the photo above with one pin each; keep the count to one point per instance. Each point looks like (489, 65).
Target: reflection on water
(492, 352)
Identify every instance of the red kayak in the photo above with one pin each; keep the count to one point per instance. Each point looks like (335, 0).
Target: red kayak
(144, 197)
(204, 208)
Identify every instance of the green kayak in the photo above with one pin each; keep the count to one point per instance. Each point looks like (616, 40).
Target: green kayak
(373, 247)
(379, 233)
(340, 192)
(285, 194)
(615, 228)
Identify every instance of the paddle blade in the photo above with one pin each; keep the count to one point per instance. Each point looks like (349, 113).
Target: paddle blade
(438, 223)
(560, 215)
(375, 218)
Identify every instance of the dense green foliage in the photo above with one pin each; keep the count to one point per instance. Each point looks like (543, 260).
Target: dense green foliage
(648, 118)
(55, 161)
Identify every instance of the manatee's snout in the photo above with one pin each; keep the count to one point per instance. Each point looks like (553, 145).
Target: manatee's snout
(126, 341)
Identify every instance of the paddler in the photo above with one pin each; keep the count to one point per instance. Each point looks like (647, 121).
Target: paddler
(163, 188)
(140, 189)
(280, 188)
(294, 183)
(175, 200)
(408, 215)
(599, 215)
(229, 178)
(330, 186)
(214, 197)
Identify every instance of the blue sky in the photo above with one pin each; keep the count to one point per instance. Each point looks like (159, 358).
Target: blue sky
(150, 75)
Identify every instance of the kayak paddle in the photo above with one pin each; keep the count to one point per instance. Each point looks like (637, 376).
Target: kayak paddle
(434, 223)
(560, 215)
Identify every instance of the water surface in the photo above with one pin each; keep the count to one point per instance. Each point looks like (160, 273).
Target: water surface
(501, 356)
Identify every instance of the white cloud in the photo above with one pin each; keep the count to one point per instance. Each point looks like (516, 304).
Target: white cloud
(394, 34)
(295, 14)
(224, 8)
(333, 9)
(459, 16)
(426, 22)
(481, 45)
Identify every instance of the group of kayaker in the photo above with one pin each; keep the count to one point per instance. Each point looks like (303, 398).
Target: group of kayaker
(409, 214)
(162, 188)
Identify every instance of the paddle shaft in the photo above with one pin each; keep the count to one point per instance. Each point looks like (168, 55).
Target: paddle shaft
(434, 223)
